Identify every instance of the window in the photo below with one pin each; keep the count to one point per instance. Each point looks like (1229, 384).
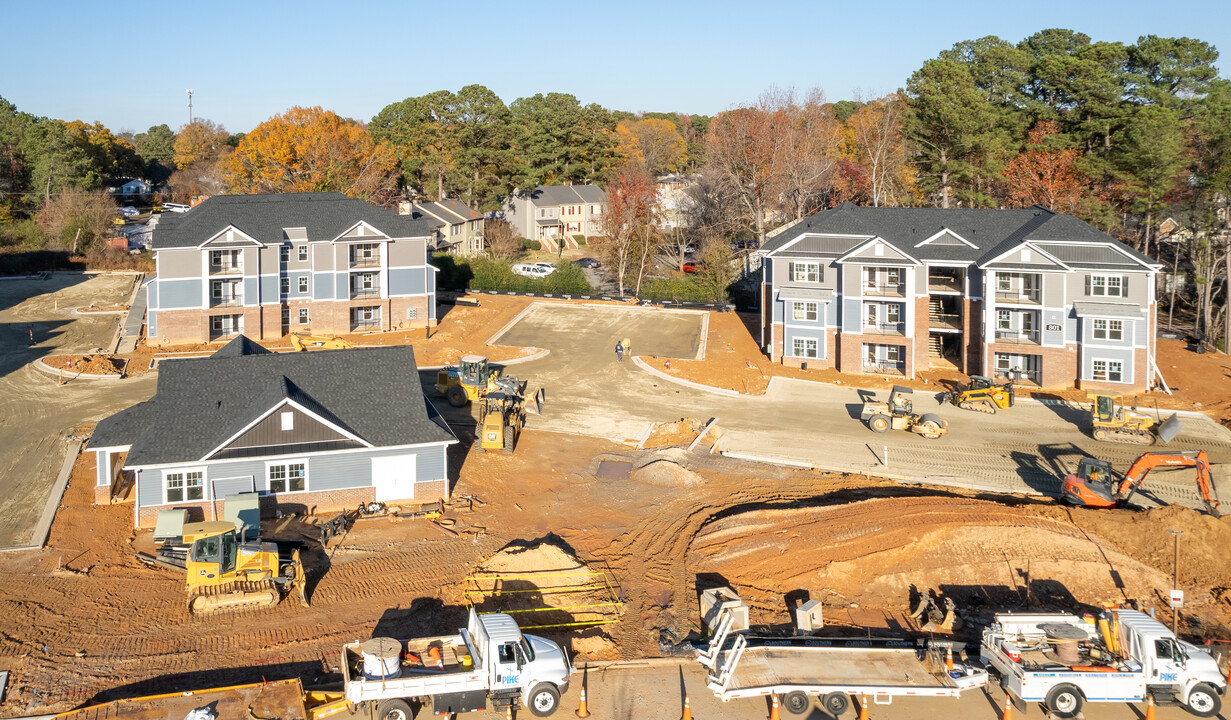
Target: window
(303, 316)
(806, 272)
(288, 477)
(1107, 286)
(893, 276)
(455, 229)
(1109, 370)
(596, 209)
(803, 347)
(284, 286)
(893, 353)
(893, 313)
(803, 311)
(1109, 329)
(303, 285)
(870, 315)
(1004, 282)
(284, 253)
(1027, 321)
(1004, 320)
(1002, 361)
(303, 253)
(288, 421)
(185, 485)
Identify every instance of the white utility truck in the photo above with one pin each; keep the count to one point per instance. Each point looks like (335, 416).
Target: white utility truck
(800, 668)
(490, 658)
(1064, 661)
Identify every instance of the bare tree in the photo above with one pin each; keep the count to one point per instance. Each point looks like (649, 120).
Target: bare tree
(806, 149)
(76, 218)
(500, 237)
(878, 142)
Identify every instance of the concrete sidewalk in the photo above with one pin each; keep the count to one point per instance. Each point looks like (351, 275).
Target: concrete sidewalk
(130, 329)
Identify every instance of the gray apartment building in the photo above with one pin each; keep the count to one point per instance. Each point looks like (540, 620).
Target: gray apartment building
(1031, 294)
(553, 214)
(266, 265)
(455, 226)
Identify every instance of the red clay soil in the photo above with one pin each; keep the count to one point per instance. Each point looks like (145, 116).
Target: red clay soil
(89, 364)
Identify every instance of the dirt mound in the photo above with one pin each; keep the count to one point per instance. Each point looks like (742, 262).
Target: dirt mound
(89, 364)
(539, 556)
(594, 647)
(666, 473)
(680, 432)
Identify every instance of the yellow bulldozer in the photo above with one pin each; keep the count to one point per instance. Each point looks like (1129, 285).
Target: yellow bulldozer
(304, 341)
(225, 574)
(983, 395)
(501, 419)
(1112, 422)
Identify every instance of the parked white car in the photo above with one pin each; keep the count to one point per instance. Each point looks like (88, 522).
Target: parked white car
(129, 211)
(534, 271)
(550, 266)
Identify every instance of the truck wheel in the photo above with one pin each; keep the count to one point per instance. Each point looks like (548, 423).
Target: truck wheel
(1063, 701)
(1203, 701)
(456, 396)
(394, 710)
(836, 703)
(544, 699)
(796, 702)
(878, 423)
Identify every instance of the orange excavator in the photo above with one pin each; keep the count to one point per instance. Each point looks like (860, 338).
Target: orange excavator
(1096, 485)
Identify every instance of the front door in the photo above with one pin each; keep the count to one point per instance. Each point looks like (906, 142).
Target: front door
(393, 477)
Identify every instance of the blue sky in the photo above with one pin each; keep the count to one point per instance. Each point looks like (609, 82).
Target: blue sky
(128, 66)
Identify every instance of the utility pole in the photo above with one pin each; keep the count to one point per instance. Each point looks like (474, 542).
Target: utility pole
(189, 106)
(1175, 565)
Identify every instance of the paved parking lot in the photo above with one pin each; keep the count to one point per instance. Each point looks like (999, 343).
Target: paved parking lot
(1027, 449)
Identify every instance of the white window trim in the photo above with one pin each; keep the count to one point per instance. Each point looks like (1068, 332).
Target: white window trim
(1106, 287)
(302, 253)
(307, 476)
(302, 286)
(809, 268)
(1126, 377)
(816, 340)
(184, 471)
(303, 317)
(816, 309)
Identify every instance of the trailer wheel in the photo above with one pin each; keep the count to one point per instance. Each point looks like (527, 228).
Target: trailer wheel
(544, 699)
(836, 703)
(1063, 701)
(394, 710)
(796, 702)
(1203, 701)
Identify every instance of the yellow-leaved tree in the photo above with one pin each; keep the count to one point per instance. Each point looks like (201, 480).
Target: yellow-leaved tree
(312, 150)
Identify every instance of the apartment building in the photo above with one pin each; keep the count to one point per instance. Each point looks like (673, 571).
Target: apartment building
(266, 265)
(455, 226)
(1030, 294)
(553, 214)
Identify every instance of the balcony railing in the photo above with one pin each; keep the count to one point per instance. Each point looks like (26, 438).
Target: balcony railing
(226, 268)
(1024, 296)
(1017, 337)
(365, 325)
(884, 367)
(226, 301)
(944, 321)
(884, 290)
(364, 293)
(944, 284)
(897, 329)
(365, 262)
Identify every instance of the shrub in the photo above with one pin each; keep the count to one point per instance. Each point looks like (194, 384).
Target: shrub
(580, 240)
(455, 272)
(531, 244)
(484, 273)
(676, 289)
(22, 233)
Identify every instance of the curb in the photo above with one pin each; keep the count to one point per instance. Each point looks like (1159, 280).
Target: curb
(49, 370)
(43, 529)
(686, 383)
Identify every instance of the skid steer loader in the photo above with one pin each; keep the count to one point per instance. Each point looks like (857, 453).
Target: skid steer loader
(983, 395)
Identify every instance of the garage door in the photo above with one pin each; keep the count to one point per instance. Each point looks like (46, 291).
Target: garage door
(393, 477)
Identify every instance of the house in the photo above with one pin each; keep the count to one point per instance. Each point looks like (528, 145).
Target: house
(1031, 294)
(673, 199)
(308, 432)
(455, 227)
(551, 213)
(129, 188)
(264, 265)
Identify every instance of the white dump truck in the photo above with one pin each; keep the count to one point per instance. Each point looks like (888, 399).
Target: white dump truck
(489, 659)
(798, 669)
(1064, 661)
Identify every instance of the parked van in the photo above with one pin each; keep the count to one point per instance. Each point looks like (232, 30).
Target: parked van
(534, 271)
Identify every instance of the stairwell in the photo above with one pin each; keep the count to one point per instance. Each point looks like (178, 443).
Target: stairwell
(935, 348)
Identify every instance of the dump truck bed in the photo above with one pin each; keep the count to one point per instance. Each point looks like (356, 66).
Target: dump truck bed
(836, 667)
(282, 699)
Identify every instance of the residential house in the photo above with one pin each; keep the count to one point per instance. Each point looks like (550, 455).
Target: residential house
(129, 188)
(673, 199)
(265, 265)
(455, 227)
(557, 213)
(1029, 294)
(308, 432)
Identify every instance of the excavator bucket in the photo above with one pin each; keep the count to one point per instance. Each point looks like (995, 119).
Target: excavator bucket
(1170, 428)
(535, 401)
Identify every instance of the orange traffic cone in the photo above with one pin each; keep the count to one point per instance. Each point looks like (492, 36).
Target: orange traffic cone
(773, 708)
(582, 710)
(863, 707)
(1149, 707)
(508, 712)
(949, 658)
(1008, 708)
(687, 709)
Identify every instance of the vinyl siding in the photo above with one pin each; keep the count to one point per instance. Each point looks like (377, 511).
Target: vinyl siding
(177, 294)
(185, 263)
(818, 333)
(407, 252)
(270, 292)
(251, 290)
(407, 281)
(1124, 355)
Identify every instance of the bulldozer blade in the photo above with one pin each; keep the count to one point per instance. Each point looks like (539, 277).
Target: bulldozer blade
(299, 583)
(534, 403)
(1170, 428)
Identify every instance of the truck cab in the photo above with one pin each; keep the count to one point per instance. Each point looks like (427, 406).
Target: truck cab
(535, 669)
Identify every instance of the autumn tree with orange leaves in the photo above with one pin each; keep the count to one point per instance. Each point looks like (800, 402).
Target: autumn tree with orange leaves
(653, 142)
(1044, 174)
(312, 150)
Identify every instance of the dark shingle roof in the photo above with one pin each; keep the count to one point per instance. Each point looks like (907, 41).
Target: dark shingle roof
(545, 195)
(263, 217)
(373, 393)
(992, 232)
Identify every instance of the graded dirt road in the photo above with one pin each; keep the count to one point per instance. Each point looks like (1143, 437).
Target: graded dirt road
(1026, 449)
(36, 415)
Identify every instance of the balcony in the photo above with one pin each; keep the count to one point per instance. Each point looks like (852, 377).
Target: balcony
(892, 329)
(1017, 337)
(884, 367)
(884, 290)
(226, 268)
(944, 284)
(362, 293)
(364, 262)
(226, 301)
(1020, 296)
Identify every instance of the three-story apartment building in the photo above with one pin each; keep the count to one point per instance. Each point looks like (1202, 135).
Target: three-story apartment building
(266, 265)
(1030, 294)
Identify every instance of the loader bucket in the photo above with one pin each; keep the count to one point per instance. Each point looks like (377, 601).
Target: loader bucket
(534, 403)
(1170, 428)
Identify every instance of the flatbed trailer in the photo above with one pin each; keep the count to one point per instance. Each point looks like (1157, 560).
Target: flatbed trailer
(832, 669)
(282, 699)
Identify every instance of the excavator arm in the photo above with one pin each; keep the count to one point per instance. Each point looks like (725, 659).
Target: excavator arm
(1141, 467)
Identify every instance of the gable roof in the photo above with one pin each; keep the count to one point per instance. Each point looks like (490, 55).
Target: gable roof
(986, 233)
(324, 216)
(448, 211)
(372, 394)
(544, 195)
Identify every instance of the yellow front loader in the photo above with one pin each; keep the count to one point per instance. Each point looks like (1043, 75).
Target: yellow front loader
(467, 382)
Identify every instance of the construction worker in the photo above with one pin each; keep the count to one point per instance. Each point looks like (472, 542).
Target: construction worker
(619, 351)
